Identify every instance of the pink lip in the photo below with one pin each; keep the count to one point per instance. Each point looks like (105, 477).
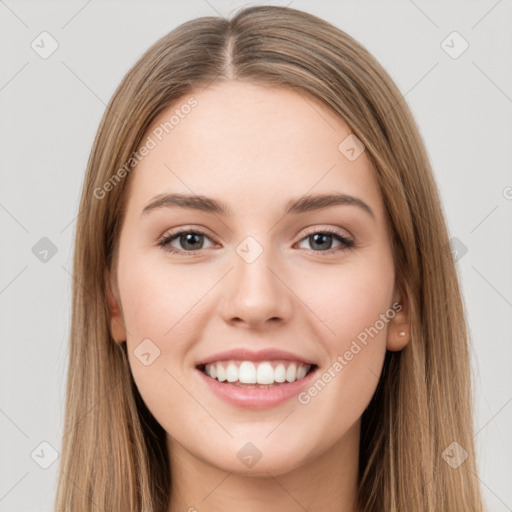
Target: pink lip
(257, 398)
(249, 355)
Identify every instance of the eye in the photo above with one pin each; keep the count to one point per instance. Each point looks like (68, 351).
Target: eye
(190, 239)
(324, 238)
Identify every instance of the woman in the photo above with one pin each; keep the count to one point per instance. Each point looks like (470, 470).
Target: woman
(266, 313)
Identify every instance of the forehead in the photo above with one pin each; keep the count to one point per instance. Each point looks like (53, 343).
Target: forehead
(249, 144)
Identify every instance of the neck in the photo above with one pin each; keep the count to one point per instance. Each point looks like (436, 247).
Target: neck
(325, 482)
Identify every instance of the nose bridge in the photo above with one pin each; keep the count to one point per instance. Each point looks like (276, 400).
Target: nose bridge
(256, 292)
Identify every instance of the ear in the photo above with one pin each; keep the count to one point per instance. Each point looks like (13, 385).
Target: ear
(399, 331)
(117, 328)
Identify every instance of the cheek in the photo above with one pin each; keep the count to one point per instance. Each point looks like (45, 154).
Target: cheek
(348, 301)
(163, 316)
(339, 395)
(353, 315)
(158, 298)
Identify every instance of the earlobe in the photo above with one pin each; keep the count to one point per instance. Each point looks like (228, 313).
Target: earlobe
(117, 329)
(398, 337)
(398, 334)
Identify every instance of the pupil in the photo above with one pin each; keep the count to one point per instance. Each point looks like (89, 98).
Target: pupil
(189, 239)
(322, 236)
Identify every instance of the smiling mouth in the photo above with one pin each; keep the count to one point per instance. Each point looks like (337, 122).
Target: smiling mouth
(260, 374)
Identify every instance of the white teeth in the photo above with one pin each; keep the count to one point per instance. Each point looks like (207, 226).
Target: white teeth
(291, 373)
(301, 372)
(221, 372)
(232, 372)
(249, 372)
(280, 373)
(265, 373)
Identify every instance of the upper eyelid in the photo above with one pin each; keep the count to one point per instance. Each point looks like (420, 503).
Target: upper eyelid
(204, 231)
(334, 230)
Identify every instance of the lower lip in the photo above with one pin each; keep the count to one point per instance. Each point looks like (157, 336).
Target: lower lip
(257, 398)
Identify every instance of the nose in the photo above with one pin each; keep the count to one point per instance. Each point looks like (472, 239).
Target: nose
(256, 294)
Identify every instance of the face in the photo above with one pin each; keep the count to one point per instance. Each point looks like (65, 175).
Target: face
(313, 283)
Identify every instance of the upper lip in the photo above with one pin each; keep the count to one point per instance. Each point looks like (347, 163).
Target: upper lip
(245, 354)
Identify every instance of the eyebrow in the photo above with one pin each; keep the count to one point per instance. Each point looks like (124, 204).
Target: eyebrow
(293, 206)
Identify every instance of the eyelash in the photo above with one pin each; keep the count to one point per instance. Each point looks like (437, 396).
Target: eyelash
(165, 241)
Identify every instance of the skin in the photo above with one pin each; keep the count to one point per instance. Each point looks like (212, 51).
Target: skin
(255, 148)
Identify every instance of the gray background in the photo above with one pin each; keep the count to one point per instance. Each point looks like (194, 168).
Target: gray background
(50, 110)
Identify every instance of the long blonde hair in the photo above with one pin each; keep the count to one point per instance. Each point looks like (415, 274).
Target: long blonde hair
(113, 450)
